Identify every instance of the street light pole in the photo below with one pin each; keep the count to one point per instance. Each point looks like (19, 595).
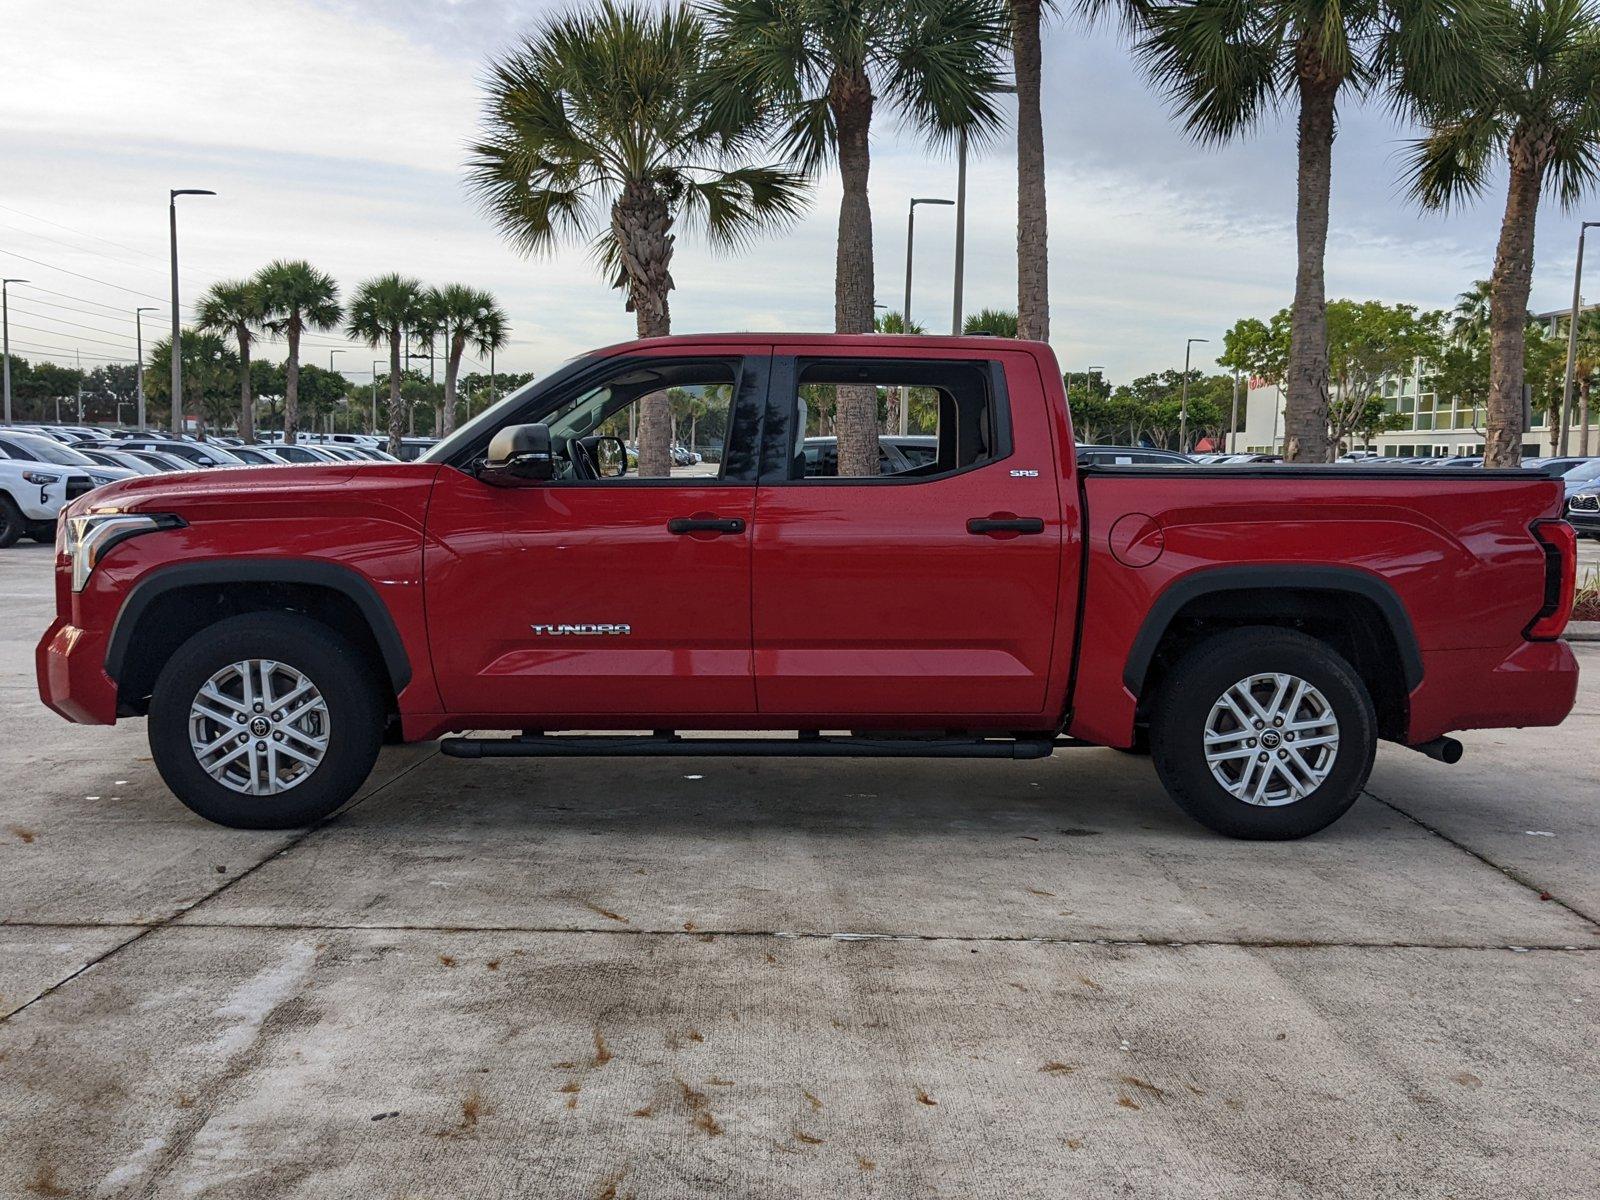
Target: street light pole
(177, 328)
(905, 311)
(1088, 380)
(5, 325)
(1562, 426)
(138, 367)
(1183, 405)
(1233, 423)
(961, 219)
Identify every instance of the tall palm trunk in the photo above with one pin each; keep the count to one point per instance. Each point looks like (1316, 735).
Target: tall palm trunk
(850, 97)
(247, 402)
(641, 224)
(1508, 308)
(1305, 422)
(1583, 418)
(397, 416)
(1033, 258)
(452, 368)
(291, 386)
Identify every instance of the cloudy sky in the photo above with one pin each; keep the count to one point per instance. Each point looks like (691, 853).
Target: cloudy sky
(335, 130)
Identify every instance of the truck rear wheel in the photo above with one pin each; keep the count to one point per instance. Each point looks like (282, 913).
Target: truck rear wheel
(265, 721)
(1263, 733)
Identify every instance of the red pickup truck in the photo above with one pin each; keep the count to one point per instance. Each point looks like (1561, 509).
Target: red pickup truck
(983, 596)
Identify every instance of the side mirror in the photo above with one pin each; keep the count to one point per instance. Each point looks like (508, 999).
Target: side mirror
(610, 457)
(519, 455)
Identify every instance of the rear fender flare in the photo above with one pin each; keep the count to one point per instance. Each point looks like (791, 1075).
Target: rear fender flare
(1348, 580)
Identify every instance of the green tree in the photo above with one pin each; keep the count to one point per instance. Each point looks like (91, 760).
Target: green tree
(1537, 110)
(1469, 319)
(894, 322)
(825, 65)
(1229, 65)
(1369, 342)
(458, 317)
(235, 306)
(998, 322)
(210, 380)
(602, 126)
(381, 310)
(296, 297)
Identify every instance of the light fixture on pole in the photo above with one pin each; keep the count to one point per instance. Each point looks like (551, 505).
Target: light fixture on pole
(5, 324)
(1572, 339)
(177, 328)
(138, 367)
(1088, 382)
(961, 216)
(1183, 405)
(905, 311)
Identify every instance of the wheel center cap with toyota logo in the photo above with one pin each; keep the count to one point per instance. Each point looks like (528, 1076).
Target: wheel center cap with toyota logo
(1270, 739)
(260, 727)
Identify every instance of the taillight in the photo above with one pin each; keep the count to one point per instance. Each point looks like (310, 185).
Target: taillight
(1560, 544)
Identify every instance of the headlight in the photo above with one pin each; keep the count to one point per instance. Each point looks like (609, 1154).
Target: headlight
(101, 479)
(40, 478)
(86, 540)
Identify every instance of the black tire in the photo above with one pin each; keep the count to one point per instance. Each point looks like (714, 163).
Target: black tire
(43, 532)
(337, 670)
(12, 522)
(1200, 679)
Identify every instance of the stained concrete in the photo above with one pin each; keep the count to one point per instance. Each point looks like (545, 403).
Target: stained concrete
(790, 979)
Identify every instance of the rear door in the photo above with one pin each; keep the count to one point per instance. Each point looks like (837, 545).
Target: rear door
(925, 593)
(588, 600)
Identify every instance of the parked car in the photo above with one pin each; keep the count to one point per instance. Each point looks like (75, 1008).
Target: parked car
(200, 454)
(1575, 473)
(1261, 630)
(1583, 509)
(160, 461)
(119, 458)
(297, 454)
(28, 447)
(32, 495)
(1130, 456)
(412, 449)
(897, 454)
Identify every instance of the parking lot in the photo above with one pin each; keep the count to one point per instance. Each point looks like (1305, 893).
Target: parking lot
(686, 978)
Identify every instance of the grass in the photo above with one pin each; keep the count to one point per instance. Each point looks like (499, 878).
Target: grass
(1586, 601)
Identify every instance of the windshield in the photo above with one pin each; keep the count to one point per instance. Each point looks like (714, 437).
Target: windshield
(44, 450)
(1584, 472)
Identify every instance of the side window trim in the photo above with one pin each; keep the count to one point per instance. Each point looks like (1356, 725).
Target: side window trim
(782, 407)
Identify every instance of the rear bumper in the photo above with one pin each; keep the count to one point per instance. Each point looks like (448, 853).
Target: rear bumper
(1534, 683)
(72, 676)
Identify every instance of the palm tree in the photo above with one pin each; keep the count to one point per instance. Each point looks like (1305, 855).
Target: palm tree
(297, 297)
(383, 309)
(1230, 65)
(1469, 319)
(234, 306)
(1586, 366)
(1538, 110)
(210, 375)
(996, 322)
(459, 317)
(824, 65)
(1033, 257)
(601, 126)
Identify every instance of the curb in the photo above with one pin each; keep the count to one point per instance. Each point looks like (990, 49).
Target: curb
(1583, 631)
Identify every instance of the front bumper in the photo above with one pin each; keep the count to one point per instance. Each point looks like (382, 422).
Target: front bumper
(72, 675)
(1584, 521)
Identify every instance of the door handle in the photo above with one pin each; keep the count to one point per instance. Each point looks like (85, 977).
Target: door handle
(988, 525)
(706, 525)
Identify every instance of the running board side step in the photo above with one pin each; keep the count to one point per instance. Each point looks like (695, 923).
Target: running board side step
(590, 746)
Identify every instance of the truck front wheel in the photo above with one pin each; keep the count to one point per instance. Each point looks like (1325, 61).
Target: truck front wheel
(1263, 733)
(265, 721)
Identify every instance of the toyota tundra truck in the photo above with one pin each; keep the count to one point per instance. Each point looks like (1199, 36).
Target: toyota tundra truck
(523, 589)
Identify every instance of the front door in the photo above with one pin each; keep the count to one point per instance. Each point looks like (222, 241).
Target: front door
(585, 601)
(930, 588)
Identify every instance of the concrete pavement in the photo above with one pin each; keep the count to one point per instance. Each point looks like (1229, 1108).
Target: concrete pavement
(692, 978)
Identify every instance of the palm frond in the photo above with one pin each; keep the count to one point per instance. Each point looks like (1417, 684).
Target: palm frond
(1451, 165)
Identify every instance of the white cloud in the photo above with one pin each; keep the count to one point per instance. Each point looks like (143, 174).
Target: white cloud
(335, 130)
